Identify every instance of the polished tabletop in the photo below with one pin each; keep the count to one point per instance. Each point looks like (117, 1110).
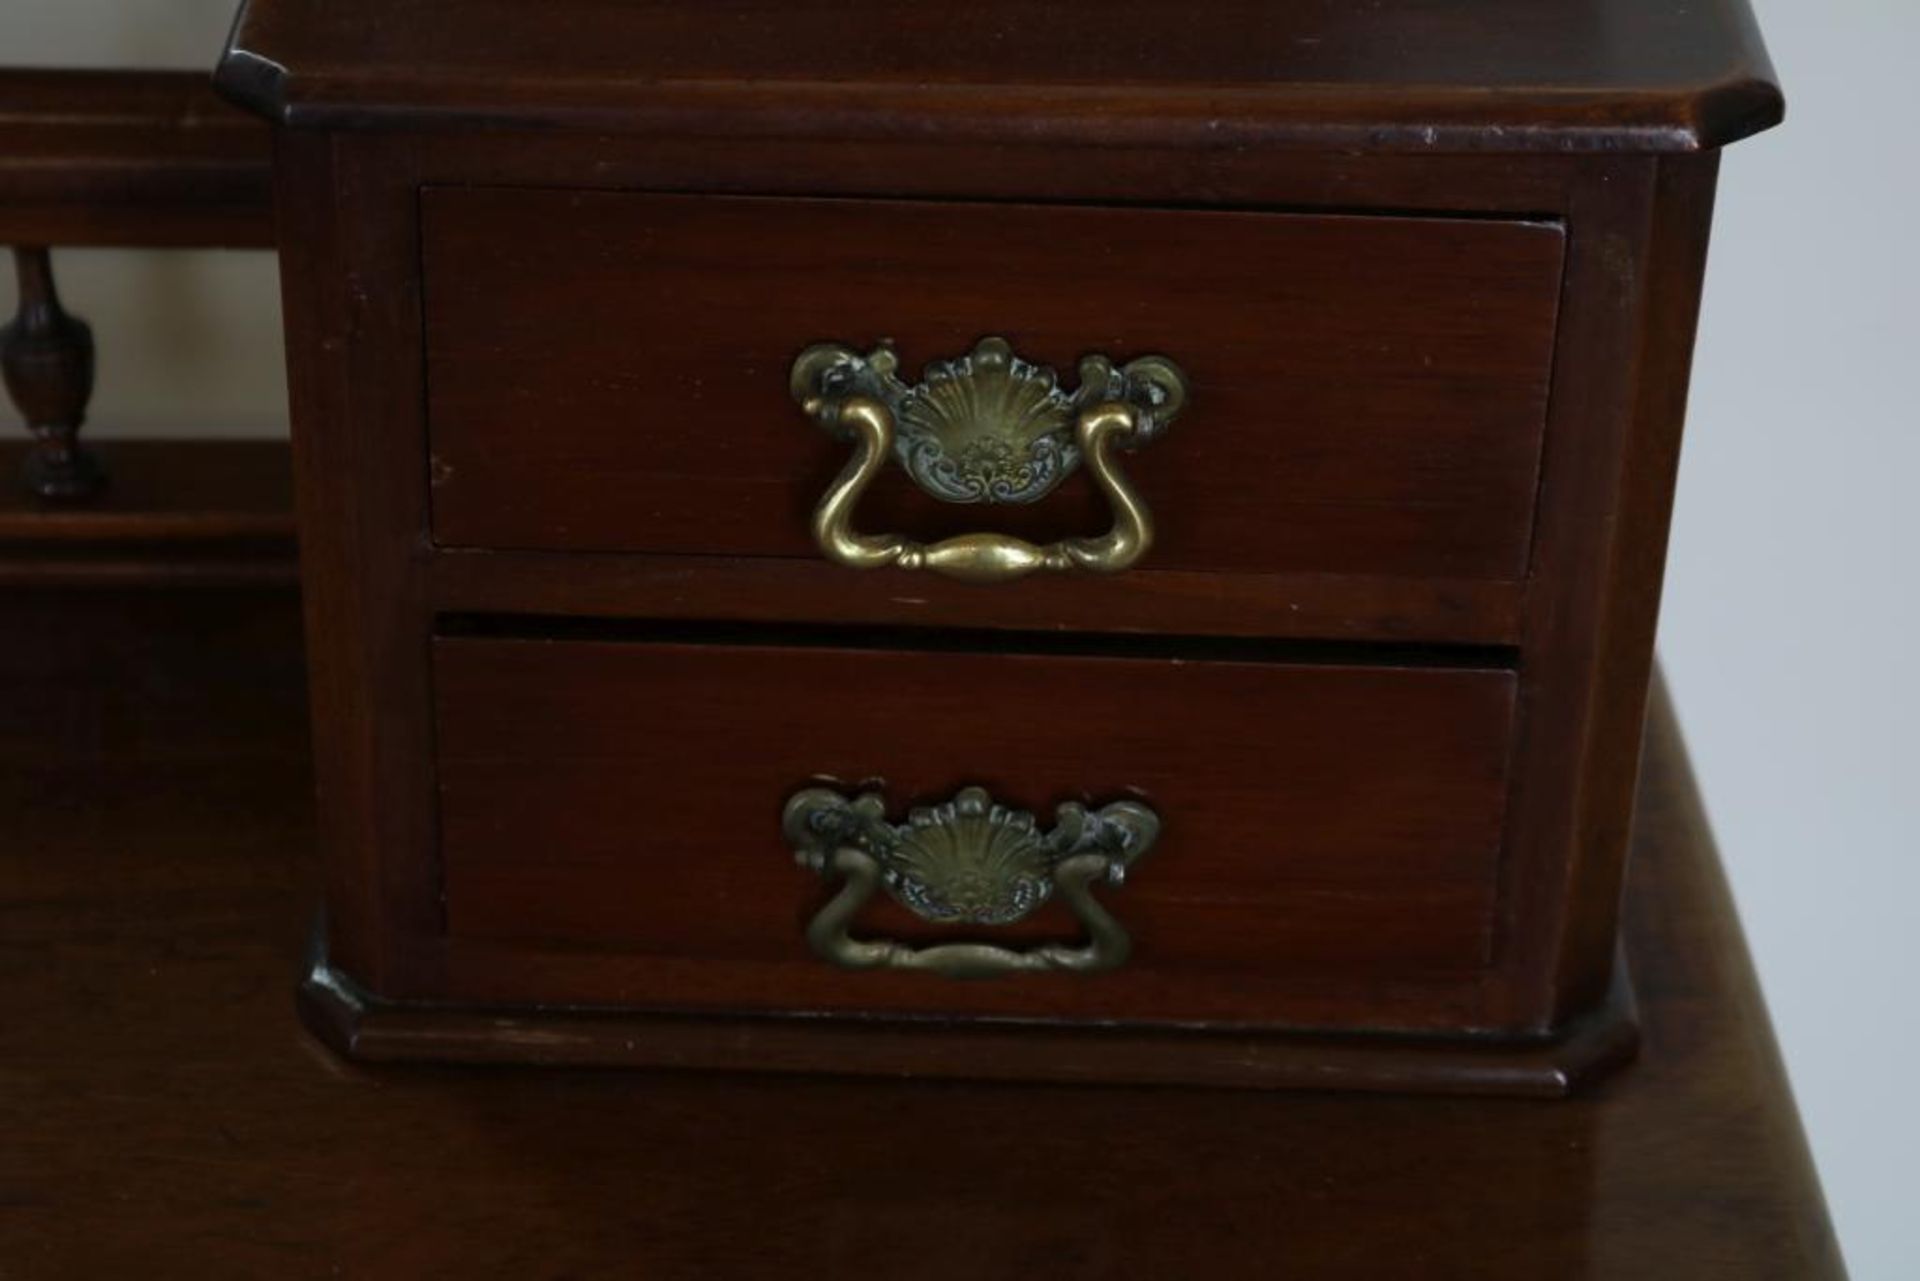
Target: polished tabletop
(165, 1115)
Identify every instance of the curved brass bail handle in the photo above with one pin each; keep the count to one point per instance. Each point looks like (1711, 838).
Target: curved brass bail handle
(1108, 944)
(983, 557)
(969, 860)
(987, 427)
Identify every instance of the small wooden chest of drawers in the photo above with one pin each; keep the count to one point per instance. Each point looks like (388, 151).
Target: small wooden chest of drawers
(1020, 541)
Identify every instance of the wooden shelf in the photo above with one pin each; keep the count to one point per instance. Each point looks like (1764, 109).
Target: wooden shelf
(171, 511)
(130, 158)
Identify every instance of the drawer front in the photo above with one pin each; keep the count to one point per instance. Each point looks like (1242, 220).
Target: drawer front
(611, 826)
(609, 371)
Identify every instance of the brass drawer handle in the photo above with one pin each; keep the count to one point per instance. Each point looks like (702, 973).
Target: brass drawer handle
(988, 427)
(969, 861)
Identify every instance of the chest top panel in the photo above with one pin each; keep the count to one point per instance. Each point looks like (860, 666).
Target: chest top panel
(1390, 75)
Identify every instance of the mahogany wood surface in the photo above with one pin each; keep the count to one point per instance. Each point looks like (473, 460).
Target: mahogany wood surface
(1368, 394)
(1346, 607)
(1591, 629)
(1514, 186)
(166, 1117)
(458, 205)
(361, 497)
(609, 818)
(1579, 1053)
(173, 511)
(1520, 75)
(1303, 605)
(129, 158)
(360, 385)
(170, 491)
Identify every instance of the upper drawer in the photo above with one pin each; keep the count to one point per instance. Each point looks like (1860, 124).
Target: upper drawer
(608, 371)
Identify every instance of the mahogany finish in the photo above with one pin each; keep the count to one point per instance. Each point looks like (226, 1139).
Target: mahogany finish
(1408, 75)
(166, 1117)
(1301, 606)
(1327, 856)
(199, 511)
(539, 317)
(167, 491)
(1368, 393)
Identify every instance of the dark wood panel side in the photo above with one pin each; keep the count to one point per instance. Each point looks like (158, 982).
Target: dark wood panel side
(1636, 251)
(607, 371)
(1594, 367)
(1635, 568)
(352, 313)
(1327, 828)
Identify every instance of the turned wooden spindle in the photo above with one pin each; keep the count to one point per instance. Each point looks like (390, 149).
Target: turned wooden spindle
(47, 358)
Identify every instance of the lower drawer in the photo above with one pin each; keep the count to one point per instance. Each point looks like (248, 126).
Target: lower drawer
(611, 825)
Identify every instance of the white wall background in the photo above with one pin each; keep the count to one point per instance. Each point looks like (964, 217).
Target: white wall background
(1793, 598)
(1792, 607)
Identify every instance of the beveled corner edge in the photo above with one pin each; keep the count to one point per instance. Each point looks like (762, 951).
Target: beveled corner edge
(253, 84)
(1734, 110)
(366, 1028)
(250, 80)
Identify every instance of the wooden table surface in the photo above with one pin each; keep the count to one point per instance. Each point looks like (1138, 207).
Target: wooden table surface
(165, 1116)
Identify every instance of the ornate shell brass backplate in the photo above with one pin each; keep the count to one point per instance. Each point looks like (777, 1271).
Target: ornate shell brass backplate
(969, 861)
(987, 427)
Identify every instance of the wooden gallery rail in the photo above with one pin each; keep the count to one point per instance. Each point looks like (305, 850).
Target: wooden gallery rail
(135, 160)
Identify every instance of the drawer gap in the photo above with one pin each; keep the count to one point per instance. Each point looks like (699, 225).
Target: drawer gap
(1231, 649)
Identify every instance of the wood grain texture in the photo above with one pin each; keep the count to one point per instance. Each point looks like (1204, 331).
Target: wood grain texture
(361, 492)
(200, 511)
(362, 1027)
(164, 491)
(166, 1116)
(1679, 224)
(609, 824)
(1368, 394)
(488, 278)
(1346, 607)
(1145, 173)
(390, 867)
(1636, 257)
(134, 158)
(1509, 75)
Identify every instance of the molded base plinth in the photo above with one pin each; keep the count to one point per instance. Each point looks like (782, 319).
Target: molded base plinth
(365, 1027)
